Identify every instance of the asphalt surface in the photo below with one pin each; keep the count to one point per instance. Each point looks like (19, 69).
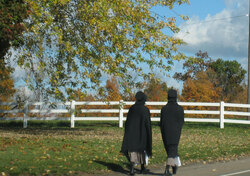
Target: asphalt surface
(240, 167)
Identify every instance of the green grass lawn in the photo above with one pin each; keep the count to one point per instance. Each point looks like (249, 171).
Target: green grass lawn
(52, 148)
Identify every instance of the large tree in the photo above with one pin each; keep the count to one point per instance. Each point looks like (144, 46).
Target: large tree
(227, 76)
(230, 78)
(70, 44)
(6, 83)
(193, 65)
(12, 14)
(111, 91)
(156, 90)
(200, 89)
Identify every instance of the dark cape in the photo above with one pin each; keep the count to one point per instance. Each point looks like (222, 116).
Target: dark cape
(138, 132)
(171, 121)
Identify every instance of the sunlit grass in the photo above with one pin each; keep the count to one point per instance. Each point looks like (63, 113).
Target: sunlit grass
(94, 147)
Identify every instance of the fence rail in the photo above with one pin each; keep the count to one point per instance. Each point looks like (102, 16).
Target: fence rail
(70, 108)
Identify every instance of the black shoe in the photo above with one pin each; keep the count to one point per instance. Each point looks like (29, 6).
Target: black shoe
(167, 173)
(132, 170)
(174, 168)
(143, 170)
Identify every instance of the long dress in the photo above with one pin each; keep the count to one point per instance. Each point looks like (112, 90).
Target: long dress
(137, 140)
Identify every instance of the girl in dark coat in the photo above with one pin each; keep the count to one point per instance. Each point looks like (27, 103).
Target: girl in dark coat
(137, 141)
(171, 122)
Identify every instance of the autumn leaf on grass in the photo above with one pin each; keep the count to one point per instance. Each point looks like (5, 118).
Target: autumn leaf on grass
(45, 157)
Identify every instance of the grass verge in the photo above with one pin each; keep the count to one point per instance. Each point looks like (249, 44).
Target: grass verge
(52, 148)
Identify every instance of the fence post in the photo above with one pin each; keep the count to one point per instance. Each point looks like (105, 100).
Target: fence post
(72, 117)
(222, 114)
(121, 114)
(25, 116)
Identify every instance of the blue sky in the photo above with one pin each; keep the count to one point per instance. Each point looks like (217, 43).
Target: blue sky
(199, 8)
(219, 27)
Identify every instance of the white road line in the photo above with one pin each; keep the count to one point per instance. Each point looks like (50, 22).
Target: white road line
(236, 173)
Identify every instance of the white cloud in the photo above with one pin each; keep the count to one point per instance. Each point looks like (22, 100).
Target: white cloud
(223, 35)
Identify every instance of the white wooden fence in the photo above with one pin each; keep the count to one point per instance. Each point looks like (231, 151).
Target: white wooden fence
(70, 108)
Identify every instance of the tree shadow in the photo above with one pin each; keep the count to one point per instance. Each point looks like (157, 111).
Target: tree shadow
(114, 167)
(56, 124)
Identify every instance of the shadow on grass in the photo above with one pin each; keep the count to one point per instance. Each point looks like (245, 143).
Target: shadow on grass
(115, 167)
(56, 124)
(56, 127)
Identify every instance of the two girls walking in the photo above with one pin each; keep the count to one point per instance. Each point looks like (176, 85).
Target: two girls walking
(137, 141)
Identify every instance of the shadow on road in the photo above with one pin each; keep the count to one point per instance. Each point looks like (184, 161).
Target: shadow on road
(120, 170)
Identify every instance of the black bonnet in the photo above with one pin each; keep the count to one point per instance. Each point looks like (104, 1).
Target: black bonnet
(140, 96)
(172, 94)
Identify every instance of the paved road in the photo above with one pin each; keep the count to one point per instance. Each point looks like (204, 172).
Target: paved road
(231, 168)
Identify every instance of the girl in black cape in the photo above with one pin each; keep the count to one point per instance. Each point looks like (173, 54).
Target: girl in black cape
(171, 122)
(137, 140)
